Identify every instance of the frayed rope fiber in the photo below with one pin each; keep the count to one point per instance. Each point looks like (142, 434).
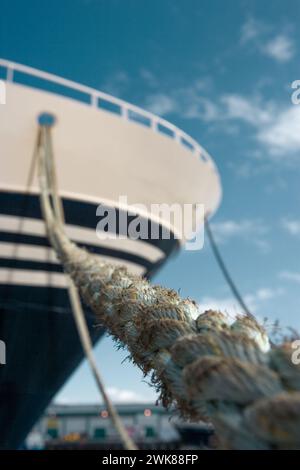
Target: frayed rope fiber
(200, 364)
(206, 368)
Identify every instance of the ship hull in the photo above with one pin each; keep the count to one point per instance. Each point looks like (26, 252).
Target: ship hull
(43, 349)
(104, 149)
(36, 321)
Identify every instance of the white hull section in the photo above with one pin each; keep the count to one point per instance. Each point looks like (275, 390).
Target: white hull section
(100, 156)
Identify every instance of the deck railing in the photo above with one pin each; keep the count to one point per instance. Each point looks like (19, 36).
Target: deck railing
(98, 99)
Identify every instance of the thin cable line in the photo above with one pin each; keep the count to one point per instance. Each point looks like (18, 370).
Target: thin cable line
(226, 274)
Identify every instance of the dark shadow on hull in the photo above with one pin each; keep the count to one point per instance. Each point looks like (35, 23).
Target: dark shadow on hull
(42, 351)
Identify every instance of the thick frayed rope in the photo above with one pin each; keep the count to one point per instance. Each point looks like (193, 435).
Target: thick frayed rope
(200, 364)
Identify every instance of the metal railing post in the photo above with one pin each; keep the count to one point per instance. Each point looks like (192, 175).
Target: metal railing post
(94, 97)
(10, 74)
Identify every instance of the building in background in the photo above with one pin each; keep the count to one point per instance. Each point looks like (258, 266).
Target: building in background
(89, 426)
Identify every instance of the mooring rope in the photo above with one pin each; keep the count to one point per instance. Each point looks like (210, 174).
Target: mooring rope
(48, 174)
(224, 270)
(201, 364)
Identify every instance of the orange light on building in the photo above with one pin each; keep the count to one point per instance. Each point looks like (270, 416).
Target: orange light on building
(147, 412)
(104, 414)
(72, 437)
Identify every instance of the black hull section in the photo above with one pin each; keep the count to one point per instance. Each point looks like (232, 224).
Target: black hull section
(36, 321)
(42, 351)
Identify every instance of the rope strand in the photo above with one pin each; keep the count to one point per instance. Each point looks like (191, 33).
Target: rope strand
(47, 174)
(200, 364)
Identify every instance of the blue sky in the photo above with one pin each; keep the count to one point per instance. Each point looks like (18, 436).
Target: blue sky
(222, 71)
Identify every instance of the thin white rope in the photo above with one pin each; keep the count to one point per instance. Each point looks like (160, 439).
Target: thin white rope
(47, 172)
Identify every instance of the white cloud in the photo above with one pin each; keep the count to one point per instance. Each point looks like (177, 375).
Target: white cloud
(161, 104)
(228, 305)
(266, 293)
(275, 127)
(193, 103)
(119, 395)
(292, 226)
(282, 135)
(245, 109)
(251, 30)
(252, 230)
(290, 276)
(149, 78)
(190, 104)
(199, 107)
(258, 301)
(280, 48)
(116, 83)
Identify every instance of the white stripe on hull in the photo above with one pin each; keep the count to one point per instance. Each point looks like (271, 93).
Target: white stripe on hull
(30, 226)
(47, 255)
(27, 252)
(32, 278)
